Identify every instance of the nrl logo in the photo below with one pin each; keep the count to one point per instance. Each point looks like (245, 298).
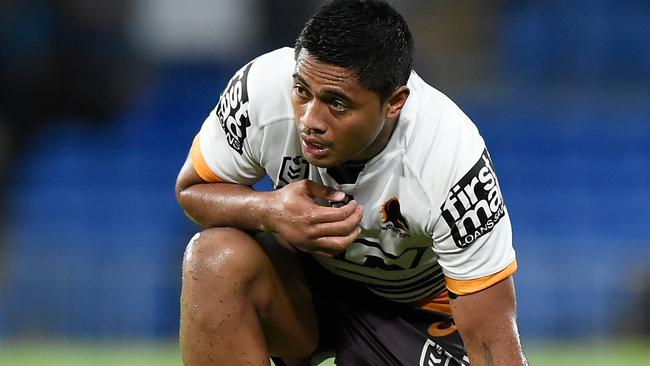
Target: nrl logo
(393, 219)
(292, 169)
(433, 354)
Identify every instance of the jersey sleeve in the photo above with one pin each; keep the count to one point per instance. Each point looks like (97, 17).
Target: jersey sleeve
(472, 234)
(227, 148)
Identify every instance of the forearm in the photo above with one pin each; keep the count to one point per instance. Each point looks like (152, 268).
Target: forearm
(487, 322)
(290, 211)
(226, 205)
(503, 349)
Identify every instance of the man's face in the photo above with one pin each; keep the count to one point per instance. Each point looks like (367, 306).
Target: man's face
(338, 119)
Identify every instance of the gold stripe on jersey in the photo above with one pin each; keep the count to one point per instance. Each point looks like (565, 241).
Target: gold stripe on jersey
(464, 287)
(438, 303)
(201, 167)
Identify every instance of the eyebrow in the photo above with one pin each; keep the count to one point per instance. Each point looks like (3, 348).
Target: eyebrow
(333, 94)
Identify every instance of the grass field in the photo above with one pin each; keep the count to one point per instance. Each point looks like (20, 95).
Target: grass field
(52, 354)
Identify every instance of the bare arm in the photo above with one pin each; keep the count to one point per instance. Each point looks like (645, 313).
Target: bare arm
(487, 322)
(219, 204)
(290, 211)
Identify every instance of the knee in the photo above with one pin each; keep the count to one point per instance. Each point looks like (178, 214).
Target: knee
(221, 253)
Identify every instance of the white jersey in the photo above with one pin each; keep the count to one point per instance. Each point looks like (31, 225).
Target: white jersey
(433, 210)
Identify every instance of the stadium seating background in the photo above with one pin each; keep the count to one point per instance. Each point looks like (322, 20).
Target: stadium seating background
(95, 237)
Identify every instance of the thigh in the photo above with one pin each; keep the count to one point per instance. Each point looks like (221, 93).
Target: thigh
(243, 295)
(364, 329)
(398, 337)
(290, 317)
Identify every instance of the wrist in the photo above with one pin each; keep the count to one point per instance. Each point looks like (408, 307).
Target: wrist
(263, 210)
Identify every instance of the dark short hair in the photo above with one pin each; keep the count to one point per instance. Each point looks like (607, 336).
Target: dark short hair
(368, 37)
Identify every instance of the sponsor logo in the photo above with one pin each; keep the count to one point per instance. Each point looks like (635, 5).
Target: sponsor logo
(392, 218)
(232, 109)
(374, 255)
(475, 204)
(292, 169)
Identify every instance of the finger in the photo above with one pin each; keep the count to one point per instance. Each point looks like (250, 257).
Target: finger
(320, 214)
(325, 192)
(335, 244)
(338, 228)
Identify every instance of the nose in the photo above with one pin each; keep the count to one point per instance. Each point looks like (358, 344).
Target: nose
(312, 119)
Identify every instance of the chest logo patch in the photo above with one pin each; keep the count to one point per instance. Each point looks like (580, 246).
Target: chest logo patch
(392, 218)
(293, 168)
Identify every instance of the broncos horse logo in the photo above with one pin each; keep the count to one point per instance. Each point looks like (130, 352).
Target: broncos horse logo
(392, 215)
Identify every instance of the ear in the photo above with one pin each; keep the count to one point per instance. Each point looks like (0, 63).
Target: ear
(396, 102)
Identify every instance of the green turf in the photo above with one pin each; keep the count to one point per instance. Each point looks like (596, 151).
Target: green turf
(146, 354)
(590, 353)
(78, 354)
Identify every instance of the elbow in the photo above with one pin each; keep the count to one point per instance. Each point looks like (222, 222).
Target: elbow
(188, 197)
(184, 201)
(186, 206)
(181, 195)
(473, 337)
(489, 334)
(498, 345)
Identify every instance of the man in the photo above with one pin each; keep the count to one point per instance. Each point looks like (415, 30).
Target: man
(386, 238)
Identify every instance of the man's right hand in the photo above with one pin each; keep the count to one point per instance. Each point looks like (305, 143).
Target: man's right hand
(297, 218)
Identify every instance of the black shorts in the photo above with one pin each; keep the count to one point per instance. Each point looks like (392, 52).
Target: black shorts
(365, 329)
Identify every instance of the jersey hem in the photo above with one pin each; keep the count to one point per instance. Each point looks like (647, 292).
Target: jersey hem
(465, 287)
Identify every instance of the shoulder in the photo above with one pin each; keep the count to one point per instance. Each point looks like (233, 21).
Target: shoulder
(270, 82)
(257, 95)
(442, 143)
(440, 133)
(260, 91)
(273, 66)
(272, 70)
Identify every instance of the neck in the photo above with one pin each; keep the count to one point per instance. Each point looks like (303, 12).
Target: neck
(381, 141)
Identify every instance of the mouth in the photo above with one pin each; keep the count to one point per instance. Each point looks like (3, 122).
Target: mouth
(315, 147)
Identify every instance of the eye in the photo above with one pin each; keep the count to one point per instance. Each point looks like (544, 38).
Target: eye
(338, 106)
(300, 91)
